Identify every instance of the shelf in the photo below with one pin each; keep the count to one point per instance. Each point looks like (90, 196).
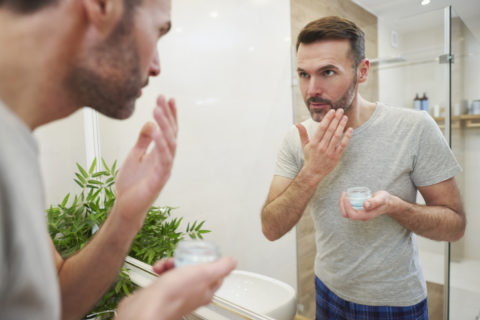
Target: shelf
(464, 120)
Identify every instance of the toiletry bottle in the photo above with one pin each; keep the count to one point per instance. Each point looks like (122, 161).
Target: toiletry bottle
(416, 102)
(424, 102)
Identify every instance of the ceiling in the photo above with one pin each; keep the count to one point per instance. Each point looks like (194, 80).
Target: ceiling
(410, 15)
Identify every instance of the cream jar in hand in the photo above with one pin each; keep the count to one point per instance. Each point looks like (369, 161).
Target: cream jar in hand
(357, 196)
(195, 251)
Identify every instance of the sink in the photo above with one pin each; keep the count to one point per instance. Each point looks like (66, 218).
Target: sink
(260, 294)
(243, 295)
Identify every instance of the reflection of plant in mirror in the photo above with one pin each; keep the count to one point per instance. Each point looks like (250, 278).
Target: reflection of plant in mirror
(71, 227)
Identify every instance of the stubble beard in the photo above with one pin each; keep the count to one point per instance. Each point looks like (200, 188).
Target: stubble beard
(111, 83)
(345, 102)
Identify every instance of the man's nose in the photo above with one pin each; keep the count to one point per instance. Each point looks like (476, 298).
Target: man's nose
(314, 87)
(154, 69)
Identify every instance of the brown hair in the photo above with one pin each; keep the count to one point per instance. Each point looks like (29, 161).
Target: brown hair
(30, 6)
(335, 28)
(26, 6)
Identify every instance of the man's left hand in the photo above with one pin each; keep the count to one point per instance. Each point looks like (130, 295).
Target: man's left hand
(380, 203)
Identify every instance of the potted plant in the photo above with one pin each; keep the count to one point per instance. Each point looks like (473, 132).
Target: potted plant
(72, 225)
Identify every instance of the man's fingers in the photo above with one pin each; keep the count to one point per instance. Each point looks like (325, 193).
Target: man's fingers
(331, 130)
(345, 139)
(145, 137)
(322, 127)
(172, 108)
(221, 268)
(303, 134)
(163, 265)
(339, 124)
(166, 129)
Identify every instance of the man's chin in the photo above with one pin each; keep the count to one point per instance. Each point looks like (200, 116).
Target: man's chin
(120, 113)
(317, 116)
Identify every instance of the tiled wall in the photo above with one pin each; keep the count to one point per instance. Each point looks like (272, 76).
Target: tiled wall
(302, 12)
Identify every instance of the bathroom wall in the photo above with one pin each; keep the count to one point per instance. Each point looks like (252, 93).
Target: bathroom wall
(61, 144)
(304, 11)
(228, 65)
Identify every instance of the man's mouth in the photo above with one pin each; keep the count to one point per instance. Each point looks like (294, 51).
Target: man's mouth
(141, 89)
(317, 106)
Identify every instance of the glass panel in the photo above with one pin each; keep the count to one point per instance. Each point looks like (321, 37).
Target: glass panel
(232, 84)
(465, 255)
(410, 76)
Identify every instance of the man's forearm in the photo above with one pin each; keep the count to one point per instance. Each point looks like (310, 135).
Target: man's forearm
(431, 221)
(88, 274)
(281, 214)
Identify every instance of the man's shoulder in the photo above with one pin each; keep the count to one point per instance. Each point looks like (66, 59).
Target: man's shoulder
(399, 114)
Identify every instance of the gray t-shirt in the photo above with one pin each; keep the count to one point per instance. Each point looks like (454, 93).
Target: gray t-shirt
(374, 262)
(28, 279)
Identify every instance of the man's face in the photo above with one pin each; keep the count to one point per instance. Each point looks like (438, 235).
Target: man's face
(110, 78)
(326, 76)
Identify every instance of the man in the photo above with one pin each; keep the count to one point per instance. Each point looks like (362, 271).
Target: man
(366, 264)
(57, 56)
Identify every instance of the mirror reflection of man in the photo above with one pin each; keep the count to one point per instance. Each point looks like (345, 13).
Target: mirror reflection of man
(57, 56)
(367, 264)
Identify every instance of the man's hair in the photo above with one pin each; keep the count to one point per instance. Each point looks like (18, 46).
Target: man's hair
(335, 28)
(26, 6)
(29, 6)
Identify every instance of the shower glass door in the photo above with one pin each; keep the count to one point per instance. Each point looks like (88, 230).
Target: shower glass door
(435, 56)
(414, 72)
(464, 289)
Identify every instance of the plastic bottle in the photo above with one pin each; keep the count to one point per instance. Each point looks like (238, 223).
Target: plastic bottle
(424, 102)
(416, 102)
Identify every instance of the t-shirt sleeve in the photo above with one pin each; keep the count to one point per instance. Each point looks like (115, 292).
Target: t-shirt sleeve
(434, 160)
(288, 163)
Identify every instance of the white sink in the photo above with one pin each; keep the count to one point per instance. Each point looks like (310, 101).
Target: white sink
(243, 295)
(260, 294)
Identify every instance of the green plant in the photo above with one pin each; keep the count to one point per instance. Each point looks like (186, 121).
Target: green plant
(72, 226)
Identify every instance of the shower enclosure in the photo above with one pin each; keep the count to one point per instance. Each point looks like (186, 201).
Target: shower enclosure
(431, 62)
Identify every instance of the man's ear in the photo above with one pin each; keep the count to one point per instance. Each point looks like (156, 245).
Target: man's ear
(103, 15)
(363, 68)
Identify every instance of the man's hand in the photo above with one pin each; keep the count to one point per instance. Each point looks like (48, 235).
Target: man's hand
(85, 276)
(145, 172)
(380, 203)
(324, 150)
(163, 265)
(177, 292)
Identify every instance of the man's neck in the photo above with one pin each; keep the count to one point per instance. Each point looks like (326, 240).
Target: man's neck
(360, 111)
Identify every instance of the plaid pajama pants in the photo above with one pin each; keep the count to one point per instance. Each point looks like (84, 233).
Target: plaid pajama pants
(332, 307)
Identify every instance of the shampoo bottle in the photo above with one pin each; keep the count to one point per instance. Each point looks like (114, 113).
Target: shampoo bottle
(416, 102)
(424, 102)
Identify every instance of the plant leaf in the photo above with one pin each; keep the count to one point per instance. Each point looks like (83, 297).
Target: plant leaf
(92, 166)
(82, 171)
(79, 183)
(91, 181)
(65, 200)
(105, 165)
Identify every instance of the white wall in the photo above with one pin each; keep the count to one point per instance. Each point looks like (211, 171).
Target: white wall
(227, 63)
(61, 144)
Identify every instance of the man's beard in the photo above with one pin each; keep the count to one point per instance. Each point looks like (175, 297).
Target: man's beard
(111, 86)
(345, 102)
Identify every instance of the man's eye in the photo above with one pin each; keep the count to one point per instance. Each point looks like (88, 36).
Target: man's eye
(329, 73)
(303, 74)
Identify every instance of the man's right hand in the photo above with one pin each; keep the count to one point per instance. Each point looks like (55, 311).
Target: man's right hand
(177, 292)
(324, 150)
